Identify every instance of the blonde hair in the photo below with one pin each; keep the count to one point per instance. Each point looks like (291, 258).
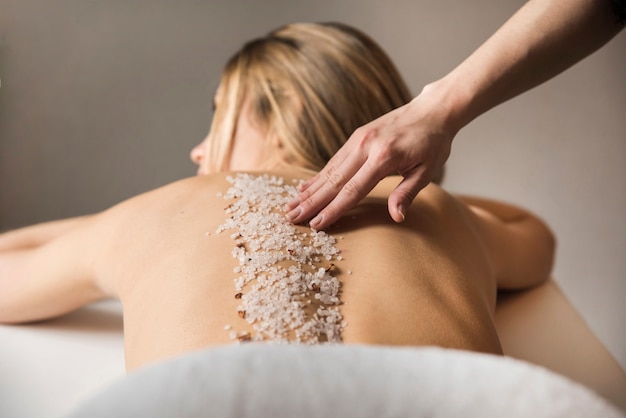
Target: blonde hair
(310, 85)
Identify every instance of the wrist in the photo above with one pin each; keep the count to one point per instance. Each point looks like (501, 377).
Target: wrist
(450, 102)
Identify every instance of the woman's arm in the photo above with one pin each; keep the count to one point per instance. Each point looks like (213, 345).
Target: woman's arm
(39, 234)
(51, 278)
(520, 244)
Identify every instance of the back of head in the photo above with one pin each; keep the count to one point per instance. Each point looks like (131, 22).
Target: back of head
(310, 85)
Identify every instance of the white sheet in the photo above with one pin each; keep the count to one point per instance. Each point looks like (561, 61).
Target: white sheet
(46, 368)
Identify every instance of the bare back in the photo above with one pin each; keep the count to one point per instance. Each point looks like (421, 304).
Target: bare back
(427, 281)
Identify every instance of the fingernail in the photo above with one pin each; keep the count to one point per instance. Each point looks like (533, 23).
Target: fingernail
(293, 214)
(316, 221)
(302, 186)
(401, 212)
(292, 204)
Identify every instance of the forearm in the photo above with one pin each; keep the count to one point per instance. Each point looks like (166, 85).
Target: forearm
(50, 279)
(37, 235)
(541, 40)
(29, 294)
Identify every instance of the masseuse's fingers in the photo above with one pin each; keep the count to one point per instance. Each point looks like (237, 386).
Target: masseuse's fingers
(330, 177)
(336, 180)
(353, 191)
(404, 194)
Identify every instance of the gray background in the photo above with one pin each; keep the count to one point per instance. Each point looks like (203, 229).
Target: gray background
(101, 100)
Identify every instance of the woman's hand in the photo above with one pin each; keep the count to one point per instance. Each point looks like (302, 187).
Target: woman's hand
(413, 141)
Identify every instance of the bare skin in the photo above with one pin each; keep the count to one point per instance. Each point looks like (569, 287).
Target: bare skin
(431, 280)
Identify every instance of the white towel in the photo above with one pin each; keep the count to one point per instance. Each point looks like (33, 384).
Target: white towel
(258, 380)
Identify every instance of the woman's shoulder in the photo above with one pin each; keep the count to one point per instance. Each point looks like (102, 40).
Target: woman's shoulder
(199, 189)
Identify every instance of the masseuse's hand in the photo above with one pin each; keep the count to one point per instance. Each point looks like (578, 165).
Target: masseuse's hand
(413, 141)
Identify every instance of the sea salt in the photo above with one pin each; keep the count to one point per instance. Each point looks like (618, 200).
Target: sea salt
(279, 270)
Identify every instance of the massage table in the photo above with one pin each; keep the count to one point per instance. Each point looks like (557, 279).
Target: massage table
(74, 365)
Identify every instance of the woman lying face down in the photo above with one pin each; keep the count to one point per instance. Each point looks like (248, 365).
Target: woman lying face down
(212, 259)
